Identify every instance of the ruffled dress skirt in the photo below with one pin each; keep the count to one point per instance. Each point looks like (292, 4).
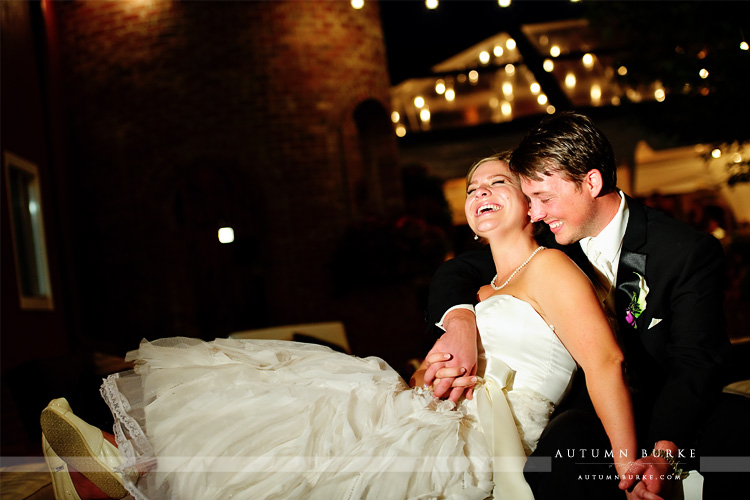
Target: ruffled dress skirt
(264, 419)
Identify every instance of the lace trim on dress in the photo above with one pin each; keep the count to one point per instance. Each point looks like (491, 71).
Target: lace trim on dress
(531, 411)
(440, 405)
(131, 440)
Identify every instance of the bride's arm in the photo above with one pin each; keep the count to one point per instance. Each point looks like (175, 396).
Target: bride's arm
(566, 298)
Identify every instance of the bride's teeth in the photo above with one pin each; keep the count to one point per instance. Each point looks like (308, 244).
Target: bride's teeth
(488, 208)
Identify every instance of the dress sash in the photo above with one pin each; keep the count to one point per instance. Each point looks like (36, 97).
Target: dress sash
(499, 427)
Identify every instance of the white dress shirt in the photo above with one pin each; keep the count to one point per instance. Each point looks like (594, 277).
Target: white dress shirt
(603, 250)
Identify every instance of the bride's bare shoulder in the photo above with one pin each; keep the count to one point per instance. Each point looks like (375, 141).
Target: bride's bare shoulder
(553, 255)
(554, 262)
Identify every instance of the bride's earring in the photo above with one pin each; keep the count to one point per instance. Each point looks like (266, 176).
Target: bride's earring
(476, 237)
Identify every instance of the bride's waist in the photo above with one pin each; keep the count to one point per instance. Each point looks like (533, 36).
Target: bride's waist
(527, 405)
(514, 393)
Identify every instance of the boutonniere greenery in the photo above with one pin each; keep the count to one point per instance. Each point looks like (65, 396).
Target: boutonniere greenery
(637, 302)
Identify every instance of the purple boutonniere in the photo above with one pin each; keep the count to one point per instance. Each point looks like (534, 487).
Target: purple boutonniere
(637, 302)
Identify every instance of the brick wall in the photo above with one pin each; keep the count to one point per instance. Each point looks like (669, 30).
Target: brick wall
(181, 116)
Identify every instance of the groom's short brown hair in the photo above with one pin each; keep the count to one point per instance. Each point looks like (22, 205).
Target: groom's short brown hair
(567, 143)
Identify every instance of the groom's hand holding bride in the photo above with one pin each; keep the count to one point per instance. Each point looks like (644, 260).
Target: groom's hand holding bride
(651, 477)
(460, 341)
(643, 480)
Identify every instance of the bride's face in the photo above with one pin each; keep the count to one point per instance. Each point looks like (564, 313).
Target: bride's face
(494, 199)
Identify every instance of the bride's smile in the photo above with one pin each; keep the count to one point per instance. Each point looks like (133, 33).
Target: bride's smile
(488, 207)
(493, 197)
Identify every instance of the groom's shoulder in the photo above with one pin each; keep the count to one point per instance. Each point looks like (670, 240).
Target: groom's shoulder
(480, 254)
(479, 260)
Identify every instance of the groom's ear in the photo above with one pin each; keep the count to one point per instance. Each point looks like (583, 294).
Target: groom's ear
(593, 182)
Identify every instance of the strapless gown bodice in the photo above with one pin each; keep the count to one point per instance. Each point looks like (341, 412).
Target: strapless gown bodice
(512, 331)
(249, 419)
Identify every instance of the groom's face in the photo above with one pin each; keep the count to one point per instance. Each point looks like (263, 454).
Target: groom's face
(564, 206)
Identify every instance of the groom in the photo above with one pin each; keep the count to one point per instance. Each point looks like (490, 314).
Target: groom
(661, 284)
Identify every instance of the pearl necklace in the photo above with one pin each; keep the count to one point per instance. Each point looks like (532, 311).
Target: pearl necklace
(492, 283)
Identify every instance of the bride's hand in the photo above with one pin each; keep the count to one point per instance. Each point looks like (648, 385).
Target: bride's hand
(459, 340)
(456, 374)
(453, 375)
(645, 479)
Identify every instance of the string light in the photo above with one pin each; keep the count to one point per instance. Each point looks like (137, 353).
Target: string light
(588, 61)
(601, 93)
(596, 94)
(226, 235)
(505, 108)
(358, 4)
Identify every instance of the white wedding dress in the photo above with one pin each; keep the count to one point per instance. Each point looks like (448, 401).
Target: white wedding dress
(261, 419)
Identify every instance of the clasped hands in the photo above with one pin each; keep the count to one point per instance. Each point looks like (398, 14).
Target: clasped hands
(448, 381)
(451, 365)
(650, 477)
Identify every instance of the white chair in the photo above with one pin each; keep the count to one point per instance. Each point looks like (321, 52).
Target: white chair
(692, 487)
(332, 332)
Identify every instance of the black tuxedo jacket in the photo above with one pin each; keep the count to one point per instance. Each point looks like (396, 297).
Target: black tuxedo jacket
(675, 350)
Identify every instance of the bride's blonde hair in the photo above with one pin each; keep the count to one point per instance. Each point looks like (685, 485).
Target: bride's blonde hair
(503, 156)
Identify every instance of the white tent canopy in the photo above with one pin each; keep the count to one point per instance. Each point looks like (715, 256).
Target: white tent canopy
(684, 170)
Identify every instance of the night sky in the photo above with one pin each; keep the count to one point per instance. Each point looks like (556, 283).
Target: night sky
(418, 38)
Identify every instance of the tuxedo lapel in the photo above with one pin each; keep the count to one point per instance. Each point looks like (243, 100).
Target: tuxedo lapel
(632, 266)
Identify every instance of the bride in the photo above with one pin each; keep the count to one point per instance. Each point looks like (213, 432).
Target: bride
(276, 419)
